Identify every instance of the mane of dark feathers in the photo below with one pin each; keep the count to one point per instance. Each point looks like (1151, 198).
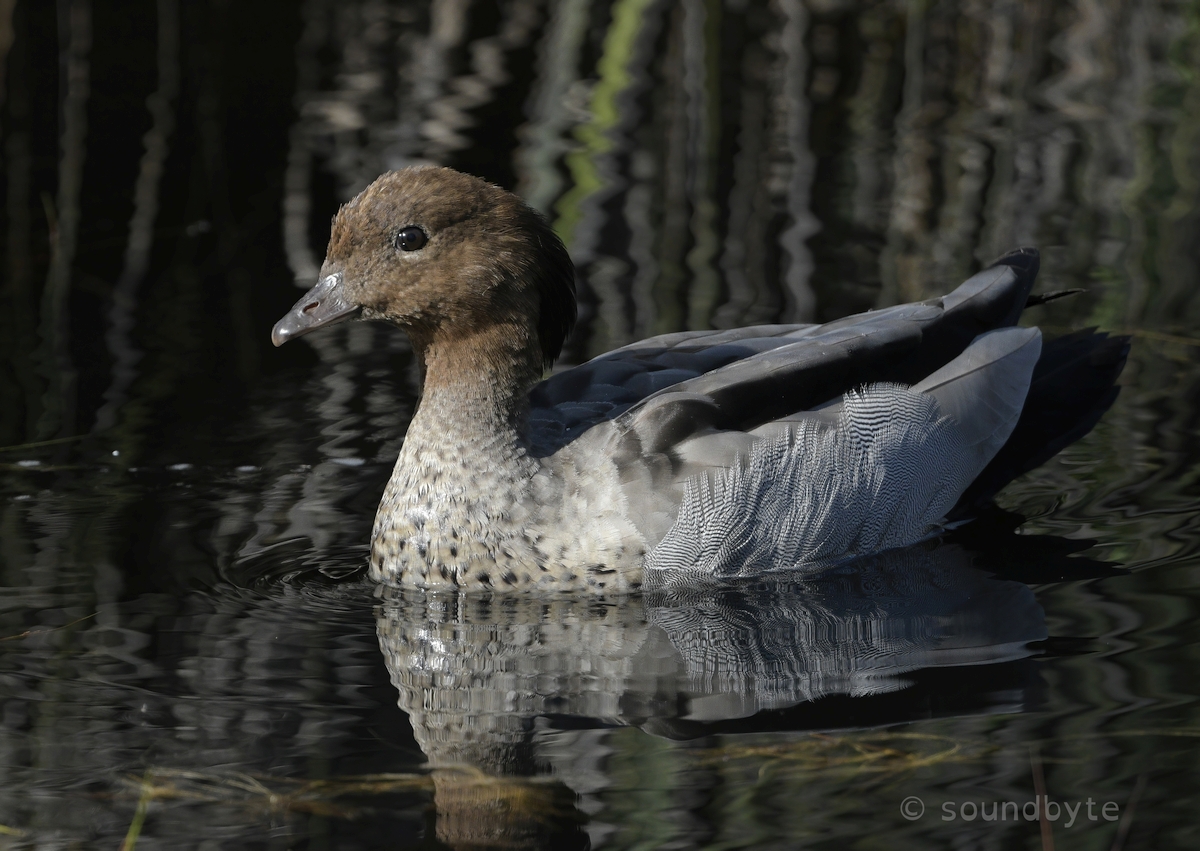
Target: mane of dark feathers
(554, 274)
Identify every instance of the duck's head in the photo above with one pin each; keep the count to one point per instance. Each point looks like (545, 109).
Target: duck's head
(443, 255)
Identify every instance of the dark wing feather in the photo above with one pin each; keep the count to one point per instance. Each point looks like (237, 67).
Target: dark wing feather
(569, 403)
(749, 376)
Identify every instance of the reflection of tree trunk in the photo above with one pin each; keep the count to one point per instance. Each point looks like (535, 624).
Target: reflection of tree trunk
(145, 213)
(870, 122)
(1134, 107)
(911, 193)
(450, 109)
(673, 225)
(752, 299)
(1179, 301)
(297, 181)
(548, 114)
(75, 39)
(19, 318)
(793, 106)
(607, 116)
(702, 86)
(7, 36)
(964, 168)
(210, 121)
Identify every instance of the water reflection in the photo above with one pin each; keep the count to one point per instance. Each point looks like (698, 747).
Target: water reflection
(204, 695)
(489, 682)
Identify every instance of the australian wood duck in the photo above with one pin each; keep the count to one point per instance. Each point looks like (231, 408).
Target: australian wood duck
(686, 457)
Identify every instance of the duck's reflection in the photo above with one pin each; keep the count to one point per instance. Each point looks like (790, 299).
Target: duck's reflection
(488, 680)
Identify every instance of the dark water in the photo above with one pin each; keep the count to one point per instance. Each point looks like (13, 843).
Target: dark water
(189, 654)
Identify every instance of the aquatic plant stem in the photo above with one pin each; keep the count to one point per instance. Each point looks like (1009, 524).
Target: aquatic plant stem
(139, 814)
(1039, 789)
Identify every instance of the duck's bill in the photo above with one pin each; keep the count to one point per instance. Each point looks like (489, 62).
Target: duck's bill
(325, 304)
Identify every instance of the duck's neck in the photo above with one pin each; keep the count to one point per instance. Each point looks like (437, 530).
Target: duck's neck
(463, 473)
(473, 405)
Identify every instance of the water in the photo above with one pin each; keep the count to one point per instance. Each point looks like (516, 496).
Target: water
(190, 656)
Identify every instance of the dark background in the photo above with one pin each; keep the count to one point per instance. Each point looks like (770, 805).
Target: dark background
(709, 164)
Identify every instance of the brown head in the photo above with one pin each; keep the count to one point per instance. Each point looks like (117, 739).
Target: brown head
(441, 254)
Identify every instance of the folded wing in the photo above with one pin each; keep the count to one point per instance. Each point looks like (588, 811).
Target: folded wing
(879, 469)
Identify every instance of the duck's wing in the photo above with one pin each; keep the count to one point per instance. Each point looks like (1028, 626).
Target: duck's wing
(879, 467)
(664, 388)
(709, 423)
(570, 402)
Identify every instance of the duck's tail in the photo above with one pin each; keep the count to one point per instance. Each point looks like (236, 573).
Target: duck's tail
(1073, 385)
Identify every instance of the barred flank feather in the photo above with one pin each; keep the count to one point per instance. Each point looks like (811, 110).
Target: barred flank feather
(882, 475)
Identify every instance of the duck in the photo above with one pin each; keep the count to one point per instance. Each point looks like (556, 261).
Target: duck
(690, 457)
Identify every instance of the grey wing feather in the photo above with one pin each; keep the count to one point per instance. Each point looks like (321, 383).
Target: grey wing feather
(984, 390)
(877, 471)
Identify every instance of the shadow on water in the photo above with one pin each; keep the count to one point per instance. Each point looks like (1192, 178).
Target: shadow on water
(188, 646)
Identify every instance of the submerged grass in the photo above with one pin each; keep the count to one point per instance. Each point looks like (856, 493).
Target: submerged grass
(521, 797)
(139, 815)
(272, 794)
(260, 793)
(880, 755)
(876, 753)
(892, 752)
(30, 632)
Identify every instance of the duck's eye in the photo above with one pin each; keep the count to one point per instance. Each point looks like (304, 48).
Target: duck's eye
(410, 238)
